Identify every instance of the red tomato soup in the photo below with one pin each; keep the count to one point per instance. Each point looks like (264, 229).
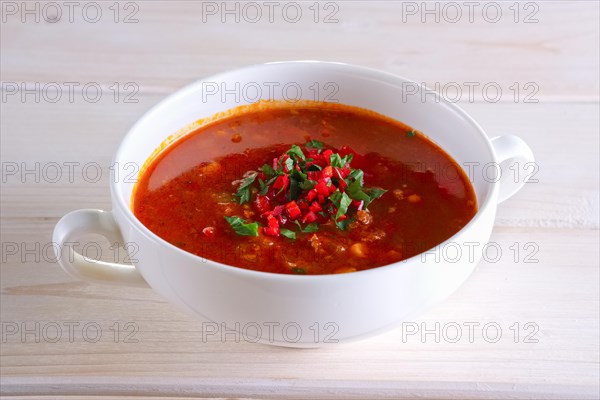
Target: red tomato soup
(311, 188)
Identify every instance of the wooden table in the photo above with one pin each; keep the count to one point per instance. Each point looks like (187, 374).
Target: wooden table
(65, 339)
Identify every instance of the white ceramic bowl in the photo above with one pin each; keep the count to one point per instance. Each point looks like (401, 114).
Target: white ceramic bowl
(290, 310)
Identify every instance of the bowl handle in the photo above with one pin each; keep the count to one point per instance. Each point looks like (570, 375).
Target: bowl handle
(78, 223)
(512, 151)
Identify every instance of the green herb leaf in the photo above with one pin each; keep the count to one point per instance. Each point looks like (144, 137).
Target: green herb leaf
(241, 227)
(336, 197)
(343, 225)
(298, 270)
(264, 186)
(411, 133)
(287, 233)
(295, 189)
(289, 164)
(343, 207)
(373, 193)
(347, 159)
(296, 151)
(312, 227)
(315, 144)
(267, 170)
(357, 175)
(301, 176)
(307, 184)
(355, 191)
(336, 161)
(314, 167)
(243, 193)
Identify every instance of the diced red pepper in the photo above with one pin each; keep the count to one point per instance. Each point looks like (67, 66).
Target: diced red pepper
(342, 185)
(342, 217)
(326, 155)
(209, 231)
(321, 161)
(332, 189)
(313, 153)
(322, 188)
(321, 198)
(293, 210)
(281, 182)
(313, 175)
(315, 207)
(309, 217)
(272, 228)
(262, 204)
(278, 210)
(343, 172)
(310, 196)
(270, 231)
(327, 172)
(303, 205)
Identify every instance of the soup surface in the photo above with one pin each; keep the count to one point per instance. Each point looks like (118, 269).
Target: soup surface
(312, 188)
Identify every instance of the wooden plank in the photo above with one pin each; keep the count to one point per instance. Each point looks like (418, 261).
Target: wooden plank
(170, 344)
(79, 397)
(558, 53)
(273, 389)
(121, 397)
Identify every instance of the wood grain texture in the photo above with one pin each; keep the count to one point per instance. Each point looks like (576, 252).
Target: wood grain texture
(545, 299)
(170, 45)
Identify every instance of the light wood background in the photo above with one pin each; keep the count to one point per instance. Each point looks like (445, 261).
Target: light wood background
(170, 46)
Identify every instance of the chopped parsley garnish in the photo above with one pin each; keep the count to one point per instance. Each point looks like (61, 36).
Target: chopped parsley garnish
(267, 170)
(304, 188)
(336, 161)
(345, 201)
(308, 228)
(287, 233)
(296, 151)
(315, 144)
(241, 227)
(243, 193)
(343, 225)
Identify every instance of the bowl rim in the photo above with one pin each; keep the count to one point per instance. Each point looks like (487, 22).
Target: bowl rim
(125, 209)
